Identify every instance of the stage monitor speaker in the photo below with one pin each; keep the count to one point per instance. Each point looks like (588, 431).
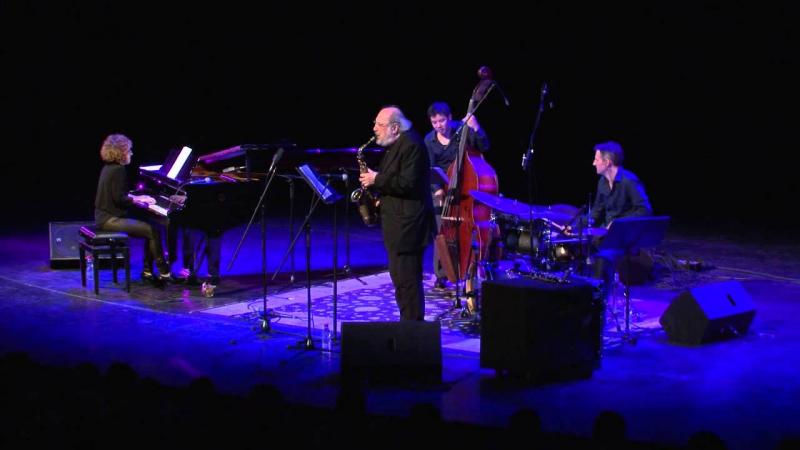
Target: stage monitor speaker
(708, 313)
(64, 243)
(540, 329)
(392, 352)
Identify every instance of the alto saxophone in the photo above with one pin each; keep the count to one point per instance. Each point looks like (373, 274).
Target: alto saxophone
(366, 199)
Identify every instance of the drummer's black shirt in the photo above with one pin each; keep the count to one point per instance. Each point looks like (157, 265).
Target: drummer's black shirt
(626, 199)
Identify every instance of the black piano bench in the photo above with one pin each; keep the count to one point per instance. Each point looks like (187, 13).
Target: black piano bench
(108, 245)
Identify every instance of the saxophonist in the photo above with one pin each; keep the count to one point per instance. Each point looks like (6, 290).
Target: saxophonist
(406, 209)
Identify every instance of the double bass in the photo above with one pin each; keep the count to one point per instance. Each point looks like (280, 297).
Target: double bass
(466, 229)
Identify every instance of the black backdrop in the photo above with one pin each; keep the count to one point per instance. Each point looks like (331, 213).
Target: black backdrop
(698, 94)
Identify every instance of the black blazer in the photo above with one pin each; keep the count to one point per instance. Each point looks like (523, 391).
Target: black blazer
(403, 183)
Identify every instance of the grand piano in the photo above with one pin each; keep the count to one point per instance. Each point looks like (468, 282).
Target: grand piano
(219, 190)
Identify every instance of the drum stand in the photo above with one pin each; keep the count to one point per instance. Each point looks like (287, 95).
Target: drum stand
(623, 237)
(613, 304)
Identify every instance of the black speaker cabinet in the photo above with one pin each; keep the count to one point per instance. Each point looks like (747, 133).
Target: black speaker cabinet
(708, 313)
(64, 242)
(542, 329)
(392, 352)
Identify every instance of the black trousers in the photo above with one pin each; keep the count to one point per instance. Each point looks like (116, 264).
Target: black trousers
(406, 272)
(438, 268)
(153, 249)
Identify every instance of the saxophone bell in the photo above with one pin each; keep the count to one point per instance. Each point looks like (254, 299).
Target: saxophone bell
(355, 196)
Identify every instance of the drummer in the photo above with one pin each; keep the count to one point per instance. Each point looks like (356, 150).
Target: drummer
(443, 143)
(620, 193)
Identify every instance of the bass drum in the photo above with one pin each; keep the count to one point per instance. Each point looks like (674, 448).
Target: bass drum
(518, 239)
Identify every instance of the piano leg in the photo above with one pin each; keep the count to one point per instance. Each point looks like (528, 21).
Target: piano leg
(199, 246)
(172, 244)
(214, 254)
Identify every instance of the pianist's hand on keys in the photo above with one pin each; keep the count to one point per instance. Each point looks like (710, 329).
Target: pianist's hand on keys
(143, 199)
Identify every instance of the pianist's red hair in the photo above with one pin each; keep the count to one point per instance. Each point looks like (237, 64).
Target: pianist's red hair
(115, 149)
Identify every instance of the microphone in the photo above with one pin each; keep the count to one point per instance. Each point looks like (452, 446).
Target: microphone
(545, 95)
(275, 159)
(502, 93)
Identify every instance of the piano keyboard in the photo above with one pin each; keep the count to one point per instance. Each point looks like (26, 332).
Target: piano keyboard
(158, 209)
(162, 206)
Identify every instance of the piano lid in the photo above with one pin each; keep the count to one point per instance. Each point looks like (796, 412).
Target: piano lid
(256, 158)
(237, 152)
(253, 158)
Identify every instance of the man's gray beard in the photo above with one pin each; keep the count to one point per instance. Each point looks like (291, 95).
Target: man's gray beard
(389, 141)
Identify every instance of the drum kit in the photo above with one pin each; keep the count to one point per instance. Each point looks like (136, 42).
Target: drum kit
(542, 233)
(532, 241)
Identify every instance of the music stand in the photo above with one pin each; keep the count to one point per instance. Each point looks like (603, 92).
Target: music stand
(326, 194)
(624, 236)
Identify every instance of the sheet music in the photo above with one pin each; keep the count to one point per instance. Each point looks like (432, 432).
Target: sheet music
(183, 156)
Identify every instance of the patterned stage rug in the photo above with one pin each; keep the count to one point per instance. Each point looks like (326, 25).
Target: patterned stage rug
(371, 299)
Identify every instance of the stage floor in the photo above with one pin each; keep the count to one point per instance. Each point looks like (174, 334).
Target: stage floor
(744, 389)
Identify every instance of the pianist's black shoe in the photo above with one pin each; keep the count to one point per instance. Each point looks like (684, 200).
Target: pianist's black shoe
(162, 280)
(177, 279)
(159, 281)
(214, 280)
(185, 276)
(150, 278)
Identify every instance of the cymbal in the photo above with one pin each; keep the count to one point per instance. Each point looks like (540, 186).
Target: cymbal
(505, 205)
(521, 210)
(544, 212)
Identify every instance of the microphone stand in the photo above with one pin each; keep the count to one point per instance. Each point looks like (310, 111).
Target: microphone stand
(346, 267)
(528, 168)
(290, 181)
(335, 270)
(308, 343)
(266, 314)
(348, 270)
